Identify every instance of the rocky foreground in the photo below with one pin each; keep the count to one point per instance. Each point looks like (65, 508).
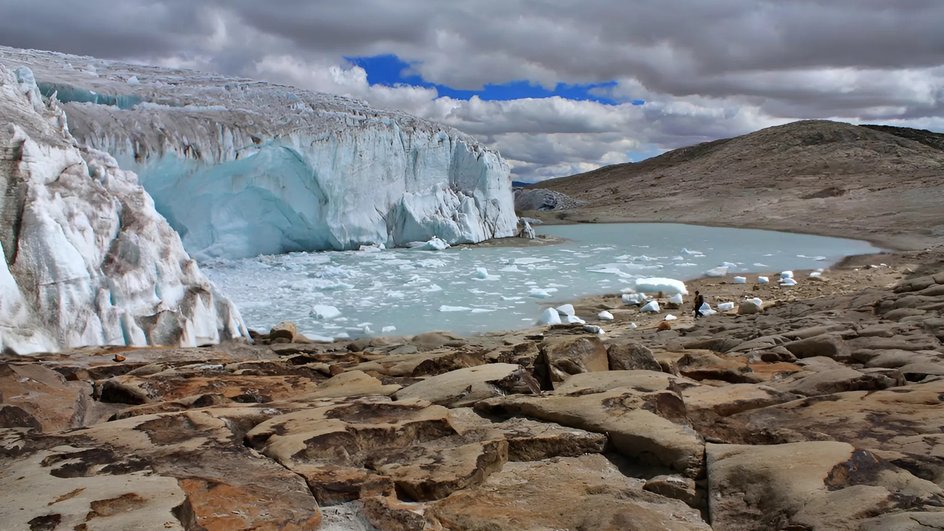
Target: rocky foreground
(823, 411)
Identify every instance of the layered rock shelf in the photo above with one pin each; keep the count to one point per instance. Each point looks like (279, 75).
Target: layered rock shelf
(821, 411)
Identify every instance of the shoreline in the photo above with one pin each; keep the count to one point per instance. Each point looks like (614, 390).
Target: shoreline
(595, 299)
(895, 242)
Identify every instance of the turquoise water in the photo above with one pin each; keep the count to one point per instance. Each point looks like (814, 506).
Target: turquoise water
(405, 292)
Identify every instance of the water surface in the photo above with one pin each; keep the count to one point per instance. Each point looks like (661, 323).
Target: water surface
(405, 292)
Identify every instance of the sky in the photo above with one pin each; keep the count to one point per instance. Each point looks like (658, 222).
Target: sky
(558, 87)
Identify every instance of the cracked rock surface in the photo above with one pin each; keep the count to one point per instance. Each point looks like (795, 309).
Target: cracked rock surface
(823, 411)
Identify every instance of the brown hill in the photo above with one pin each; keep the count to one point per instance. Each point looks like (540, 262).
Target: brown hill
(880, 183)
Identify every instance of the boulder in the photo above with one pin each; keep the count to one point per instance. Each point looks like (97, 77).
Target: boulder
(565, 355)
(461, 387)
(631, 355)
(706, 365)
(750, 306)
(828, 345)
(353, 383)
(650, 428)
(585, 492)
(529, 440)
(675, 486)
(285, 331)
(807, 485)
(637, 380)
(904, 421)
(830, 381)
(176, 471)
(712, 402)
(37, 397)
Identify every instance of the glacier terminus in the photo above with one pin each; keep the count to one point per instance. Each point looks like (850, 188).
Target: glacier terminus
(241, 167)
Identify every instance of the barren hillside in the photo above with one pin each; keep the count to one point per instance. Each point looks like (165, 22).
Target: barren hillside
(880, 183)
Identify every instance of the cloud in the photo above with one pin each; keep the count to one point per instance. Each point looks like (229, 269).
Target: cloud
(705, 69)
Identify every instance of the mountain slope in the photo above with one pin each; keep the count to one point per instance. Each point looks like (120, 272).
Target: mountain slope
(880, 183)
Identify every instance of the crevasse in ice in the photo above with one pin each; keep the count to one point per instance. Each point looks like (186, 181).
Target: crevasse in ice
(87, 258)
(240, 167)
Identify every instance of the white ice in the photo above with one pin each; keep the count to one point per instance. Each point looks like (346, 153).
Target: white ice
(242, 167)
(719, 271)
(650, 307)
(549, 316)
(668, 286)
(88, 260)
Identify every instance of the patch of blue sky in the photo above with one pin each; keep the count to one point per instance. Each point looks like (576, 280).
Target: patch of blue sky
(390, 70)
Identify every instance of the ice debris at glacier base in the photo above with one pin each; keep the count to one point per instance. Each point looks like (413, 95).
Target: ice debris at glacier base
(242, 168)
(87, 258)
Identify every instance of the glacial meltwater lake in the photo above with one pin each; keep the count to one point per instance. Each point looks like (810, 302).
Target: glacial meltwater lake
(404, 292)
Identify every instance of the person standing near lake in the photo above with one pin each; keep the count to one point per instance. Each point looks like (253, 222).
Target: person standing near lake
(699, 301)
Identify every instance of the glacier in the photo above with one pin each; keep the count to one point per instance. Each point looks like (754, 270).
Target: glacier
(241, 167)
(87, 258)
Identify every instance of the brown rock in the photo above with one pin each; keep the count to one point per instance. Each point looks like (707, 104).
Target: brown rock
(828, 345)
(353, 383)
(638, 424)
(284, 330)
(706, 365)
(34, 396)
(529, 440)
(586, 492)
(461, 387)
(333, 484)
(436, 469)
(391, 514)
(808, 485)
(631, 355)
(677, 487)
(638, 380)
(833, 381)
(904, 421)
(562, 356)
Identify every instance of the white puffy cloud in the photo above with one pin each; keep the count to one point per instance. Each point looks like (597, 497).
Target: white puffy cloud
(705, 69)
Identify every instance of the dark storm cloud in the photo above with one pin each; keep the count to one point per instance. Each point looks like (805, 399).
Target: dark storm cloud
(103, 29)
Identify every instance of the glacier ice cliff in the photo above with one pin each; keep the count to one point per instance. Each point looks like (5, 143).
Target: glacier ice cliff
(241, 167)
(87, 258)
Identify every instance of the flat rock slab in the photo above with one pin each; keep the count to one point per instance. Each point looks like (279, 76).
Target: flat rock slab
(203, 475)
(169, 385)
(639, 380)
(461, 387)
(905, 421)
(563, 356)
(37, 397)
(529, 440)
(809, 383)
(353, 384)
(637, 423)
(808, 485)
(564, 493)
(37, 492)
(722, 401)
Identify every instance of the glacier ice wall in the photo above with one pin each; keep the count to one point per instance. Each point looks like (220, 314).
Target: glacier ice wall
(87, 258)
(241, 167)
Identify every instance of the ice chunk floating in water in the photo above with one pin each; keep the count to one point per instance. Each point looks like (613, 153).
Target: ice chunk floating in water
(418, 291)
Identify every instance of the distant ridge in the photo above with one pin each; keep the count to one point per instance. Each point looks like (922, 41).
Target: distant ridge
(875, 182)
